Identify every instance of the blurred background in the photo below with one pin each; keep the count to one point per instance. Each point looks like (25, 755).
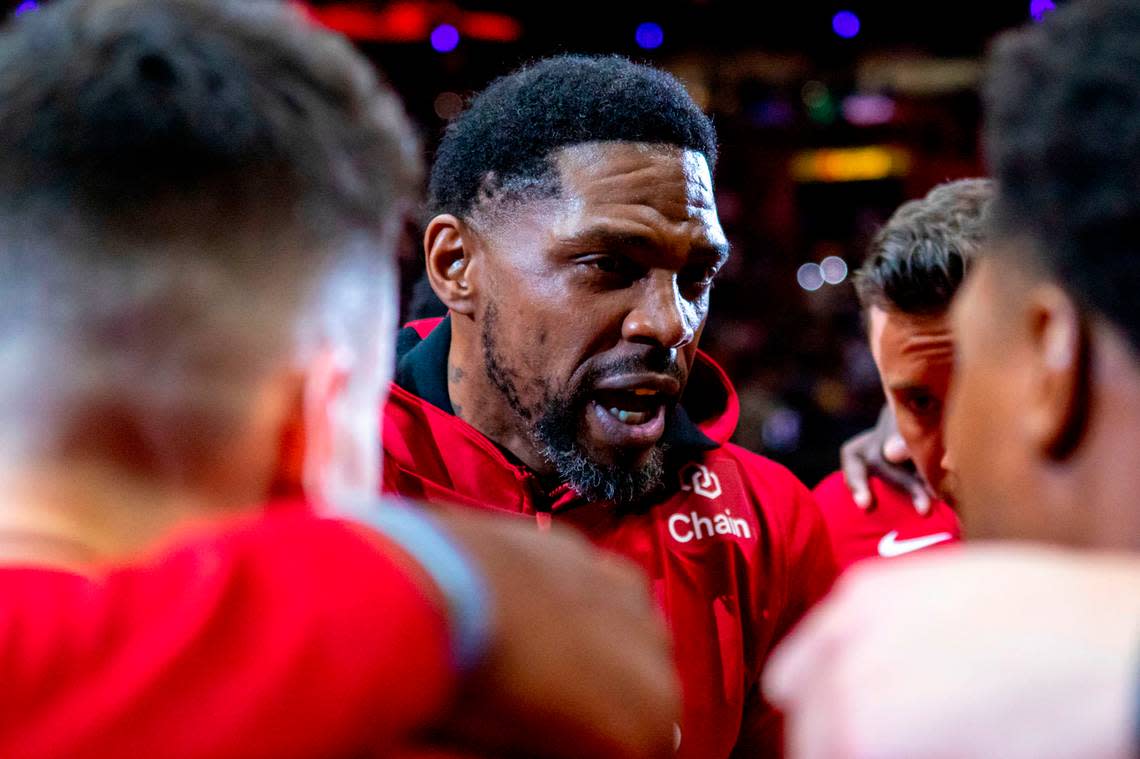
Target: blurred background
(830, 114)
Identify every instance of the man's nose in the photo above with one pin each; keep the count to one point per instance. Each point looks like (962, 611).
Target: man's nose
(662, 316)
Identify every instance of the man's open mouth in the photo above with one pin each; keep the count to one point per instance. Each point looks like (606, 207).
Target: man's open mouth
(632, 407)
(631, 411)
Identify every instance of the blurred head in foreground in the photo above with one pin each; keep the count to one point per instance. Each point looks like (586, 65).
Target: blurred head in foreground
(197, 206)
(1045, 408)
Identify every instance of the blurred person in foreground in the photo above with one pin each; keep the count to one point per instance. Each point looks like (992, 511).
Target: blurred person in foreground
(906, 285)
(198, 202)
(575, 242)
(1036, 649)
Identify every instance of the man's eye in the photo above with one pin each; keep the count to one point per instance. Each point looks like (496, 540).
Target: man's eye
(706, 275)
(614, 265)
(700, 277)
(922, 404)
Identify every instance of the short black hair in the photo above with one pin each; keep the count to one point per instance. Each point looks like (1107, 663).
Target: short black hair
(920, 256)
(1062, 138)
(508, 134)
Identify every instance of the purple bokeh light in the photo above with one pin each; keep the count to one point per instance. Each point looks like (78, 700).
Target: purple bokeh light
(444, 38)
(649, 36)
(846, 24)
(1039, 8)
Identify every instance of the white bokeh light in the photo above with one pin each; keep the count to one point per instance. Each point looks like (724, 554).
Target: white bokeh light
(810, 277)
(834, 270)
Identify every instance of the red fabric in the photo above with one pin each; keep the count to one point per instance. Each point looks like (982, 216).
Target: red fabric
(856, 534)
(728, 595)
(423, 327)
(249, 644)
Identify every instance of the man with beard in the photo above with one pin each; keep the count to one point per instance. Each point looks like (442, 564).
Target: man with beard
(906, 286)
(197, 205)
(1020, 652)
(575, 241)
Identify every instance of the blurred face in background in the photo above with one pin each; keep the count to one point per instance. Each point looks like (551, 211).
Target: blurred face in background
(915, 358)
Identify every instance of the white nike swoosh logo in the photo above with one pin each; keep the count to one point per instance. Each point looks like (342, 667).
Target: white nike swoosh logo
(890, 546)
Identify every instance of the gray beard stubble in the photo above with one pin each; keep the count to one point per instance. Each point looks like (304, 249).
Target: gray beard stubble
(554, 422)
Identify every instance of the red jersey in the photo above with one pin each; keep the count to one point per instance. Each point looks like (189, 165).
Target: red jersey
(736, 548)
(291, 636)
(892, 528)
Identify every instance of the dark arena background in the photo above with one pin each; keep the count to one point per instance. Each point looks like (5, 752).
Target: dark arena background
(830, 114)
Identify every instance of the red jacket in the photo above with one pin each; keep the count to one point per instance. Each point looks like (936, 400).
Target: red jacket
(892, 528)
(736, 550)
(235, 646)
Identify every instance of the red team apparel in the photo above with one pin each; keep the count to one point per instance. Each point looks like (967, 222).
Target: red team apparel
(892, 528)
(246, 645)
(736, 549)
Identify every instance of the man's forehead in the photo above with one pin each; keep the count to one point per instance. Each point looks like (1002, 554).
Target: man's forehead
(640, 189)
(904, 338)
(596, 170)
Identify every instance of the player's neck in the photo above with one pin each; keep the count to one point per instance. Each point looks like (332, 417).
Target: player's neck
(78, 514)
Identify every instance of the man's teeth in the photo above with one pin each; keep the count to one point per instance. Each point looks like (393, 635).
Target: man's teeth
(630, 417)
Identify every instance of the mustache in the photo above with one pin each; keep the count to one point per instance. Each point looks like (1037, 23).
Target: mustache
(654, 361)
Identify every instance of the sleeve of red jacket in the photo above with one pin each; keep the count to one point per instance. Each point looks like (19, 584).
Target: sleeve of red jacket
(292, 636)
(803, 571)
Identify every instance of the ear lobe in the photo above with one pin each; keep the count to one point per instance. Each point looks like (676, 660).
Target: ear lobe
(448, 255)
(1059, 398)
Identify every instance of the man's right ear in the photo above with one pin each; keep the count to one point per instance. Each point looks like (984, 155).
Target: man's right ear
(450, 253)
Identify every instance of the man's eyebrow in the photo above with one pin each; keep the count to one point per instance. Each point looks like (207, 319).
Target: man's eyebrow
(602, 237)
(608, 238)
(910, 387)
(718, 252)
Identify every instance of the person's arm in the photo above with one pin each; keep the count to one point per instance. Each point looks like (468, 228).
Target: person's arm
(1014, 652)
(290, 637)
(295, 636)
